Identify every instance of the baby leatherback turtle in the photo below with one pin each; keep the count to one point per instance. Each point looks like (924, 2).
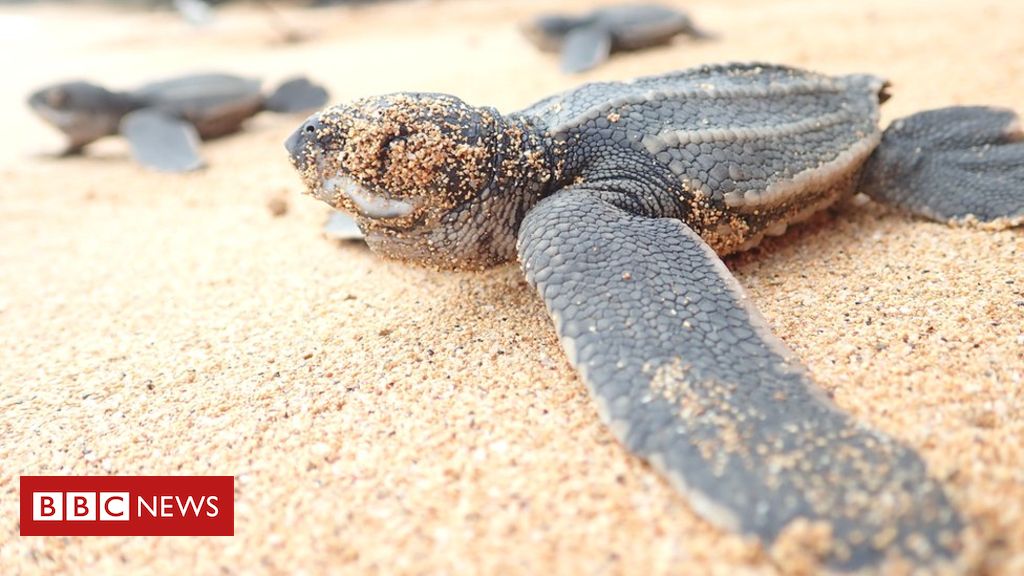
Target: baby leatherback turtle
(163, 121)
(618, 199)
(584, 41)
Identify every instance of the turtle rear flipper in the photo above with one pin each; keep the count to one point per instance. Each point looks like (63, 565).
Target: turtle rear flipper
(161, 141)
(585, 47)
(961, 165)
(296, 95)
(687, 375)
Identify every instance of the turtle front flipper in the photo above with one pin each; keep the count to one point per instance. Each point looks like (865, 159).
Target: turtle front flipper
(585, 47)
(962, 165)
(296, 95)
(688, 376)
(161, 141)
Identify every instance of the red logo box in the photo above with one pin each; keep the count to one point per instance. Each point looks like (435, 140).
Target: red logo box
(127, 505)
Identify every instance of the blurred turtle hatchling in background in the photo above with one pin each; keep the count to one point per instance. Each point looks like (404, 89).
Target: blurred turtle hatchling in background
(164, 121)
(587, 40)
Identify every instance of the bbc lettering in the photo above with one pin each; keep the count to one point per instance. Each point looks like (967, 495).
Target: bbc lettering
(114, 506)
(58, 506)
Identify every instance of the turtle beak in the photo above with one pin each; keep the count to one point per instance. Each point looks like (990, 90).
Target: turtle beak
(296, 145)
(301, 144)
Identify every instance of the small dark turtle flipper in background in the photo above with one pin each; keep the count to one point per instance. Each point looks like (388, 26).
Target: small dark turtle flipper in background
(961, 165)
(164, 121)
(162, 141)
(587, 40)
(296, 95)
(584, 48)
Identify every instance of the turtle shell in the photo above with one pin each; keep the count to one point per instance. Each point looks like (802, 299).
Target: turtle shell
(216, 104)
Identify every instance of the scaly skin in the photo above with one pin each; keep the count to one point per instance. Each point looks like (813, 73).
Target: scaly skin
(961, 164)
(616, 197)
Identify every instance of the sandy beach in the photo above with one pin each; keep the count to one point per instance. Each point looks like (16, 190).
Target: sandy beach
(386, 419)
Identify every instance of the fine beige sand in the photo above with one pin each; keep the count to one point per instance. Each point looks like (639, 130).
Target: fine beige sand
(386, 419)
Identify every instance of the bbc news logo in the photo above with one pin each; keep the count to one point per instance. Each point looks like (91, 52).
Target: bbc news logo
(116, 506)
(127, 506)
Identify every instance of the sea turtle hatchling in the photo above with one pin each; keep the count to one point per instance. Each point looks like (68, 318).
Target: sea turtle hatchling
(618, 199)
(164, 121)
(584, 41)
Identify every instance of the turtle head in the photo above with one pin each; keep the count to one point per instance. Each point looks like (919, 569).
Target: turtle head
(424, 175)
(83, 111)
